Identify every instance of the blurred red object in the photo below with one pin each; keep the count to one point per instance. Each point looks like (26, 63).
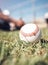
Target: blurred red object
(19, 23)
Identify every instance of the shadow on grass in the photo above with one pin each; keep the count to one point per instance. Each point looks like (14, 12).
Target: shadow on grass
(44, 41)
(41, 63)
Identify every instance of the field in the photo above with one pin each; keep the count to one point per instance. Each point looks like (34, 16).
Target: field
(13, 51)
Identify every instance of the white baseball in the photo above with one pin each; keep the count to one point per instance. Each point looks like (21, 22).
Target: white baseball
(30, 33)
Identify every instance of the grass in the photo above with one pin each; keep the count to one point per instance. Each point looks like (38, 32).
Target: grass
(13, 51)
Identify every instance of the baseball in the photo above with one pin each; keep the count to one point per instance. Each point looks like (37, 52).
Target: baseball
(30, 33)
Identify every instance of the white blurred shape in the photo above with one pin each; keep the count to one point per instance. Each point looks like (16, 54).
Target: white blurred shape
(46, 15)
(6, 12)
(12, 26)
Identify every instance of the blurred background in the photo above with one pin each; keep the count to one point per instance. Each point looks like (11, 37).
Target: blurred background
(28, 10)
